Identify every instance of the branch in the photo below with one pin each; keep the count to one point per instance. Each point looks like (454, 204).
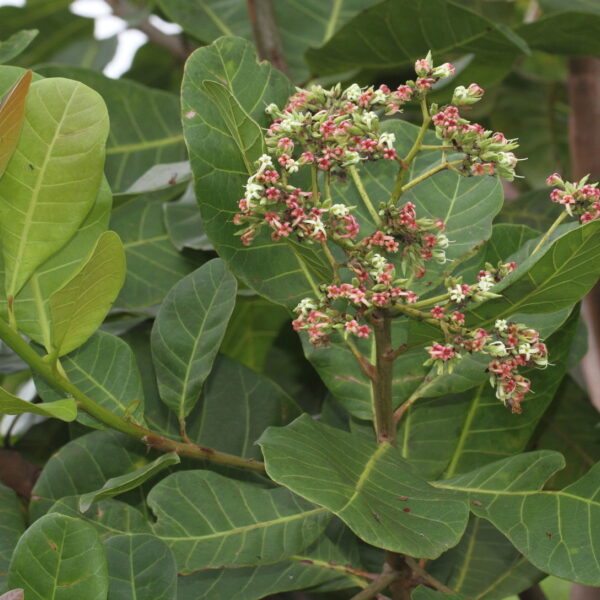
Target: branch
(266, 33)
(432, 581)
(172, 43)
(378, 585)
(151, 438)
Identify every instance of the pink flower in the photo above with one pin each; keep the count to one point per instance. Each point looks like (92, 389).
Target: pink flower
(439, 352)
(437, 312)
(554, 179)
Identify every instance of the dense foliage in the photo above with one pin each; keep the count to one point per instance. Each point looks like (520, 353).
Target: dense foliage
(285, 332)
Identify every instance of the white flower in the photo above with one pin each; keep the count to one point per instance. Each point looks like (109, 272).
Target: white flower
(501, 325)
(351, 158)
(340, 210)
(305, 305)
(353, 92)
(291, 166)
(497, 349)
(387, 139)
(318, 226)
(456, 293)
(379, 96)
(442, 240)
(486, 283)
(507, 159)
(378, 262)
(439, 256)
(527, 350)
(254, 191)
(444, 70)
(264, 160)
(272, 109)
(369, 118)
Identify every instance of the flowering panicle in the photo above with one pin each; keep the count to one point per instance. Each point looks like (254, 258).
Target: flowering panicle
(330, 131)
(486, 152)
(579, 198)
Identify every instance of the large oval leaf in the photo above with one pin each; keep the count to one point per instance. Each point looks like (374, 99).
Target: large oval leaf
(79, 307)
(211, 521)
(141, 567)
(50, 184)
(144, 128)
(104, 369)
(555, 530)
(368, 485)
(12, 525)
(188, 331)
(224, 95)
(60, 558)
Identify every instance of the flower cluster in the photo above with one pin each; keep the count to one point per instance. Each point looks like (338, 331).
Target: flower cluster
(486, 152)
(579, 198)
(327, 133)
(509, 345)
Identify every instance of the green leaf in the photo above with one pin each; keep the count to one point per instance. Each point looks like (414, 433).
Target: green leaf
(12, 112)
(56, 24)
(79, 307)
(31, 304)
(570, 427)
(140, 567)
(553, 529)
(15, 44)
(89, 53)
(188, 331)
(484, 565)
(412, 28)
(299, 25)
(12, 525)
(368, 485)
(51, 183)
(222, 123)
(183, 223)
(323, 563)
(129, 481)
(61, 558)
(570, 32)
(159, 177)
(561, 274)
(65, 410)
(256, 402)
(145, 129)
(532, 209)
(549, 6)
(537, 115)
(425, 593)
(84, 465)
(461, 432)
(109, 517)
(252, 329)
(153, 264)
(104, 369)
(210, 521)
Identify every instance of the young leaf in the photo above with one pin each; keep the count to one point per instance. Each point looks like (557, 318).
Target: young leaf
(59, 557)
(109, 517)
(31, 303)
(84, 465)
(15, 44)
(12, 525)
(368, 485)
(210, 521)
(129, 481)
(50, 185)
(12, 112)
(553, 529)
(144, 126)
(65, 410)
(224, 95)
(104, 368)
(188, 331)
(79, 307)
(140, 567)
